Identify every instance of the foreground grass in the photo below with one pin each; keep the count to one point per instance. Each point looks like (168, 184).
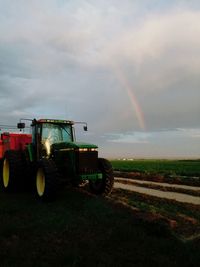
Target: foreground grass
(82, 230)
(167, 167)
(185, 218)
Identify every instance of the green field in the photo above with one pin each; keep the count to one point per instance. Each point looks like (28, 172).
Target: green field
(186, 217)
(167, 167)
(83, 230)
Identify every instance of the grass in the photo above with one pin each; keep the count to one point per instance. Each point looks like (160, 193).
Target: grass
(169, 209)
(82, 230)
(167, 167)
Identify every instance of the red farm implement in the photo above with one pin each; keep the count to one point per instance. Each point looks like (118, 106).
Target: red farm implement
(13, 141)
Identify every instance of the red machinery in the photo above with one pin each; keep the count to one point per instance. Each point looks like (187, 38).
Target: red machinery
(14, 141)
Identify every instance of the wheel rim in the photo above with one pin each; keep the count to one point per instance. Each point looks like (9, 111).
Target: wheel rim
(40, 182)
(6, 173)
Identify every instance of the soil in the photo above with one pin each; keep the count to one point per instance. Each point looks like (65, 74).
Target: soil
(168, 195)
(186, 189)
(156, 177)
(186, 227)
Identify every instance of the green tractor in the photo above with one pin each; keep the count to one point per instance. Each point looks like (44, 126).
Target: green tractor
(54, 158)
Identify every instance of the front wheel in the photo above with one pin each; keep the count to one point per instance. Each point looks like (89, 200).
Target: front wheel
(103, 186)
(47, 180)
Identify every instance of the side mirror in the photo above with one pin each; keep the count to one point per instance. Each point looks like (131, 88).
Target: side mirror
(21, 125)
(85, 128)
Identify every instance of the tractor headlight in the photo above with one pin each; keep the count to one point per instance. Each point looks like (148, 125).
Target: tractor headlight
(93, 149)
(87, 149)
(82, 149)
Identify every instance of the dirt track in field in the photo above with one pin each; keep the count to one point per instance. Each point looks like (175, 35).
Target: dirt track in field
(173, 205)
(180, 197)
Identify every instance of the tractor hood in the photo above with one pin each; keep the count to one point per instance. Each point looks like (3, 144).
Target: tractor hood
(73, 146)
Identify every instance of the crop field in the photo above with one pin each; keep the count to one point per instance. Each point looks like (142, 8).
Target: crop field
(79, 229)
(165, 167)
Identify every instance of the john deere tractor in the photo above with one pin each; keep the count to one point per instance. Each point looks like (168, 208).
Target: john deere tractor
(53, 158)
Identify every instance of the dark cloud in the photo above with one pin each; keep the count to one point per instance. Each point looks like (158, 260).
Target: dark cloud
(75, 59)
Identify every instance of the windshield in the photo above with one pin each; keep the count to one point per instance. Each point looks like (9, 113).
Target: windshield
(56, 133)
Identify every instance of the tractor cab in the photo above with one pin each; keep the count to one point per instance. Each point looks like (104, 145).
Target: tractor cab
(46, 133)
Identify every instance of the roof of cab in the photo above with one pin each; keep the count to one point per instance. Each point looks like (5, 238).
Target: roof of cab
(55, 121)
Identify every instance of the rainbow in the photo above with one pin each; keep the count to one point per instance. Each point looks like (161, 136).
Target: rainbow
(129, 90)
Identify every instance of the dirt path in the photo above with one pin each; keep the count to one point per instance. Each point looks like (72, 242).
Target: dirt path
(184, 198)
(187, 187)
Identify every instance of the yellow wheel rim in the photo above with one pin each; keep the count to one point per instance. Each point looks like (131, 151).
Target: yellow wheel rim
(40, 182)
(6, 173)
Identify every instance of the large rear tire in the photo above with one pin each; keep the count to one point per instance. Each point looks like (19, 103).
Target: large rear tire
(47, 180)
(103, 186)
(12, 171)
(1, 173)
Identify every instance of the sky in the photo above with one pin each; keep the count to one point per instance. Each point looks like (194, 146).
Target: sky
(130, 69)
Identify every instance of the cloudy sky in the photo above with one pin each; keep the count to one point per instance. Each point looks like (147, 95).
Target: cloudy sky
(131, 69)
